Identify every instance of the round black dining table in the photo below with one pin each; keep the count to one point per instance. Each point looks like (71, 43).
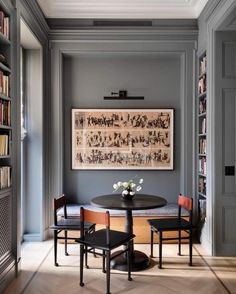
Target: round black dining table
(140, 260)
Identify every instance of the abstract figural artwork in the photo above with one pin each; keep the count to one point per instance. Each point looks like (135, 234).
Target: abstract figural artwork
(122, 139)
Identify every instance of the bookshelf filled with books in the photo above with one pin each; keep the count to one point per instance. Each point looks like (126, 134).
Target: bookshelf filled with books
(5, 100)
(202, 137)
(7, 255)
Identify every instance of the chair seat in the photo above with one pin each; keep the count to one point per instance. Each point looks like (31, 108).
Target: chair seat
(70, 224)
(98, 239)
(169, 224)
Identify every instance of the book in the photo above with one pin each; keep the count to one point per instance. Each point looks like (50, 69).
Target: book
(1, 81)
(2, 15)
(4, 145)
(6, 27)
(5, 177)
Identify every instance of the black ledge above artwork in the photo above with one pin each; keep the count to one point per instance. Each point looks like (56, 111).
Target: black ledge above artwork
(123, 97)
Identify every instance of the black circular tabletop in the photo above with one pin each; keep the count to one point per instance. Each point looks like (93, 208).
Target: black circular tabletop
(139, 202)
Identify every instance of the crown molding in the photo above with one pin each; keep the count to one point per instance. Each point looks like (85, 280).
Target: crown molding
(36, 11)
(120, 35)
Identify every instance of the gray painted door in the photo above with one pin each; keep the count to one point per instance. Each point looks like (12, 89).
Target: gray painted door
(225, 123)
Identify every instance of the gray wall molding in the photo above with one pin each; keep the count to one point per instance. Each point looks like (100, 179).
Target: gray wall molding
(125, 34)
(32, 8)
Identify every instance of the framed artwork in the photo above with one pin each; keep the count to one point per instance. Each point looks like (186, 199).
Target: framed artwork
(122, 139)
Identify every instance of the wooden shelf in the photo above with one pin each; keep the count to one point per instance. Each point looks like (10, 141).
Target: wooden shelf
(5, 68)
(4, 156)
(202, 114)
(202, 195)
(201, 75)
(4, 40)
(2, 96)
(202, 95)
(5, 127)
(4, 190)
(202, 175)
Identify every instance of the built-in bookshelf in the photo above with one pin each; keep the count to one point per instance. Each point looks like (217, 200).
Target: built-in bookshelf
(5, 100)
(202, 137)
(7, 255)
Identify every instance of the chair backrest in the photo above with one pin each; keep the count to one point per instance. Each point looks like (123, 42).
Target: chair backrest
(96, 217)
(57, 204)
(186, 203)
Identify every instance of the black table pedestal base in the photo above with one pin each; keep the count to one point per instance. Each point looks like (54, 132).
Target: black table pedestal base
(140, 261)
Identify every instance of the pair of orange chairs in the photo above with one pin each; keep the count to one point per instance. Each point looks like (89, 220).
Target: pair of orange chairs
(106, 239)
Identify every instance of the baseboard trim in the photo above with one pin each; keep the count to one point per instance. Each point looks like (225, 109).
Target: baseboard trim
(32, 238)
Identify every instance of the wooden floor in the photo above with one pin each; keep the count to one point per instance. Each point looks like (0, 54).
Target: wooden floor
(209, 275)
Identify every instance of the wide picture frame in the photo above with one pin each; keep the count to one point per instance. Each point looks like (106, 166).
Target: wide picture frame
(131, 139)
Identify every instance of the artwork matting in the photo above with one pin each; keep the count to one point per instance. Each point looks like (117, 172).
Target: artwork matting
(131, 139)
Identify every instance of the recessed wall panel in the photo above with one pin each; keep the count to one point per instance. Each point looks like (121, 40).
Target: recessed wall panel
(229, 223)
(229, 59)
(228, 138)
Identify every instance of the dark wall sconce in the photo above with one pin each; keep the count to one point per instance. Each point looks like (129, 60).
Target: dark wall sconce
(122, 95)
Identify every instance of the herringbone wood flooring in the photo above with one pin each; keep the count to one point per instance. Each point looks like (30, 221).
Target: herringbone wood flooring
(209, 275)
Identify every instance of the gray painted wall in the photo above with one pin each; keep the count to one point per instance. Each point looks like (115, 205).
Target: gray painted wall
(87, 78)
(32, 145)
(83, 71)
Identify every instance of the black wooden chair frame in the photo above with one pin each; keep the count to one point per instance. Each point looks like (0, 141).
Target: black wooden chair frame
(65, 223)
(180, 225)
(103, 250)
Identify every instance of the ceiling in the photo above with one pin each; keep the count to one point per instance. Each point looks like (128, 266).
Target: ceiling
(122, 9)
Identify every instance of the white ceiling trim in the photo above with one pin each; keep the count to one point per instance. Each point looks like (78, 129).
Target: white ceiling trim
(143, 9)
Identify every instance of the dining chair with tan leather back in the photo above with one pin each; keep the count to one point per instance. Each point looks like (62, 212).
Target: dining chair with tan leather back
(103, 241)
(64, 223)
(179, 224)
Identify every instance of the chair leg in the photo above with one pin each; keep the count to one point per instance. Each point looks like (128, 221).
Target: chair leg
(129, 262)
(190, 247)
(94, 251)
(81, 265)
(179, 242)
(108, 258)
(86, 257)
(160, 249)
(151, 255)
(103, 261)
(66, 253)
(55, 248)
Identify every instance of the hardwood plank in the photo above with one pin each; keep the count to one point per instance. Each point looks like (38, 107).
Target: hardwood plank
(209, 275)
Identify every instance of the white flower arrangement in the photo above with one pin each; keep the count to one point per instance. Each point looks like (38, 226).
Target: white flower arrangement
(128, 187)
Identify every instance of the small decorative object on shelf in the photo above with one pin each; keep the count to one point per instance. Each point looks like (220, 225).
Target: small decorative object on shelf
(128, 188)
